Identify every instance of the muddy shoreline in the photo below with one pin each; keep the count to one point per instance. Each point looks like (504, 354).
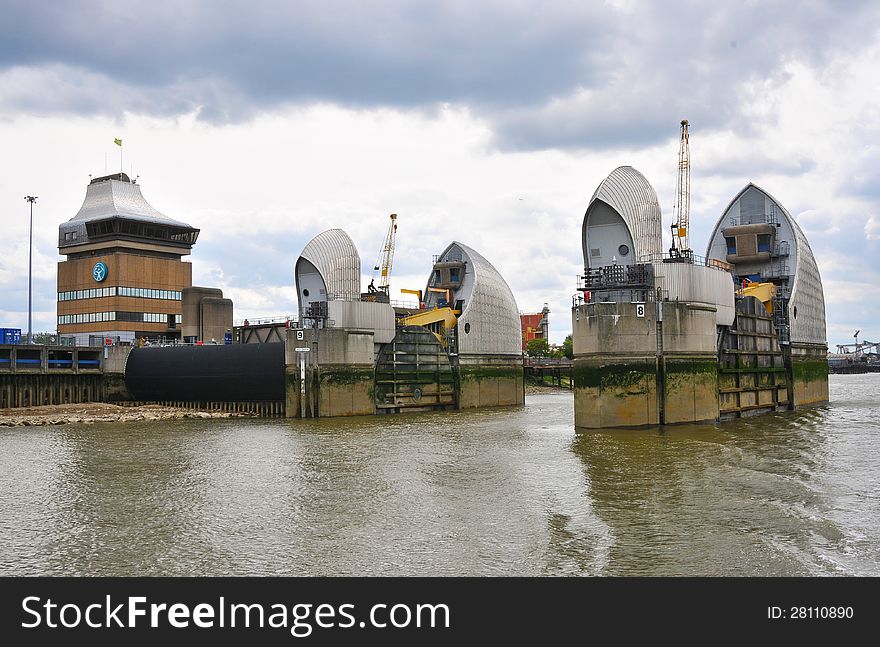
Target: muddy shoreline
(535, 389)
(93, 412)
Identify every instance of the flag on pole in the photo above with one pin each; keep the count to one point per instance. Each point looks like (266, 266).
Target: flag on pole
(118, 142)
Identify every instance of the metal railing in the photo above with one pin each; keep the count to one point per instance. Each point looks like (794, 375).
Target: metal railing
(261, 321)
(771, 218)
(612, 277)
(782, 248)
(694, 259)
(408, 305)
(647, 295)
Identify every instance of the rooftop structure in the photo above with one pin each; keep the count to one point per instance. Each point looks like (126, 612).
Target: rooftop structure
(115, 209)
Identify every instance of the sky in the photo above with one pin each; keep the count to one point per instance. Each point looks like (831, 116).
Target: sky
(490, 123)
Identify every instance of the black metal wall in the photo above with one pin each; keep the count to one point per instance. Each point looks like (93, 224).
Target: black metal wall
(208, 373)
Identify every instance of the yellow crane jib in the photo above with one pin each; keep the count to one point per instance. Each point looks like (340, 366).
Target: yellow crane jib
(417, 293)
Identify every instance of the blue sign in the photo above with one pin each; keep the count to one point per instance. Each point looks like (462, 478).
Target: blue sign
(99, 271)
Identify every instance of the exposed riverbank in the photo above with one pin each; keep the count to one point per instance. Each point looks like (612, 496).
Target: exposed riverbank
(92, 412)
(533, 388)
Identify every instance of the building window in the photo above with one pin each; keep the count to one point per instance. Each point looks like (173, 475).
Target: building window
(764, 243)
(623, 250)
(731, 245)
(96, 317)
(143, 293)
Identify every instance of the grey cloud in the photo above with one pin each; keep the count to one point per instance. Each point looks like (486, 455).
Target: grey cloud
(567, 75)
(754, 165)
(401, 54)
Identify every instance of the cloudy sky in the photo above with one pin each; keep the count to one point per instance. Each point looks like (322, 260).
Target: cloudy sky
(492, 123)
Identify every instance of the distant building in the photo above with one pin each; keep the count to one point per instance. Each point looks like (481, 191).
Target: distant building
(535, 326)
(123, 277)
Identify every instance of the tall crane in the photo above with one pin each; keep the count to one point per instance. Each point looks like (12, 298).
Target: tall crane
(386, 258)
(681, 211)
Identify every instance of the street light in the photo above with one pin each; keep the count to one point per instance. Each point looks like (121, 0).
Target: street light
(30, 337)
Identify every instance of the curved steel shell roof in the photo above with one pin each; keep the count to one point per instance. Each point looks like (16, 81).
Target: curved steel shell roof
(490, 315)
(630, 194)
(334, 255)
(807, 295)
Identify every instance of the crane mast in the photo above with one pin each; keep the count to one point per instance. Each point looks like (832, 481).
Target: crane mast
(681, 211)
(386, 257)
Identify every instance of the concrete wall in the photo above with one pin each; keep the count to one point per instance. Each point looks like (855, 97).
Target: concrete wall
(378, 317)
(690, 389)
(192, 298)
(339, 378)
(113, 366)
(344, 390)
(216, 319)
(623, 378)
(618, 392)
(809, 374)
(698, 284)
(115, 359)
(339, 373)
(490, 381)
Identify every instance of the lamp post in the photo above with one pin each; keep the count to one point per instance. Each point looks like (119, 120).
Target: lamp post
(30, 335)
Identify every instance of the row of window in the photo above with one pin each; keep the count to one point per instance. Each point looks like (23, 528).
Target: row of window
(114, 291)
(116, 226)
(97, 317)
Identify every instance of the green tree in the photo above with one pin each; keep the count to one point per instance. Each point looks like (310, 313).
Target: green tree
(568, 348)
(538, 348)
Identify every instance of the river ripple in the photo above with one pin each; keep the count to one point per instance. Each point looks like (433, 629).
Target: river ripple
(494, 492)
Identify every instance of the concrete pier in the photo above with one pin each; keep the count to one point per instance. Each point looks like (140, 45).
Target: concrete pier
(490, 381)
(639, 364)
(329, 372)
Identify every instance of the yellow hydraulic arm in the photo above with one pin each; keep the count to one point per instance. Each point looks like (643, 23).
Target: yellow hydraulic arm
(763, 292)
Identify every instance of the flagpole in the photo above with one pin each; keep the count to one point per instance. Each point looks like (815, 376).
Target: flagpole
(118, 142)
